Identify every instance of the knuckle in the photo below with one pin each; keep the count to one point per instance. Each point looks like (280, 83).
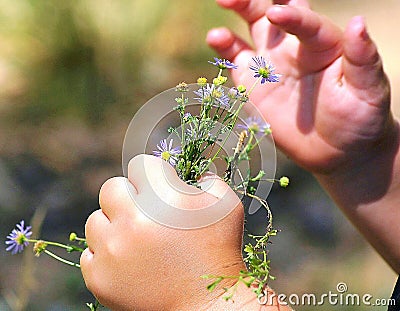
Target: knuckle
(111, 190)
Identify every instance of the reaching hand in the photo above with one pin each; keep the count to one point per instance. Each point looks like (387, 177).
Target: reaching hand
(333, 102)
(331, 111)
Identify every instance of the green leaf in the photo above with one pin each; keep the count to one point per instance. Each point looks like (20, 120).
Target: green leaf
(249, 249)
(260, 174)
(214, 284)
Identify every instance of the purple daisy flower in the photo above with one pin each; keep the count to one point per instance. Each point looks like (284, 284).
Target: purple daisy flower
(233, 93)
(223, 63)
(256, 126)
(18, 238)
(209, 93)
(166, 152)
(264, 69)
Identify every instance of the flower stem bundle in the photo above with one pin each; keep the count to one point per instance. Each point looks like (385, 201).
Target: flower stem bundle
(202, 138)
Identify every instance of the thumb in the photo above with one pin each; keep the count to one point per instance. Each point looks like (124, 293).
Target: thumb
(216, 187)
(150, 174)
(165, 198)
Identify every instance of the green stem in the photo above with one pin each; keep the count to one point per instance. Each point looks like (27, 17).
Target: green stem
(182, 121)
(211, 276)
(70, 263)
(272, 180)
(253, 86)
(235, 116)
(64, 246)
(80, 239)
(264, 204)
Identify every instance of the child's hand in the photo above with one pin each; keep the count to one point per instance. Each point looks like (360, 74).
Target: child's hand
(333, 100)
(134, 263)
(331, 111)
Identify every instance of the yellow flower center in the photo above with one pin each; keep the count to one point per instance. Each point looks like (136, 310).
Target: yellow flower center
(39, 247)
(20, 238)
(202, 81)
(216, 94)
(254, 127)
(166, 155)
(264, 72)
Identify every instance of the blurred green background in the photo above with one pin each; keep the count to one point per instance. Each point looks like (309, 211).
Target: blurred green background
(72, 75)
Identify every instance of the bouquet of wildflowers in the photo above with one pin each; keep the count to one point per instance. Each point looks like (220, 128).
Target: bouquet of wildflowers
(202, 135)
(201, 144)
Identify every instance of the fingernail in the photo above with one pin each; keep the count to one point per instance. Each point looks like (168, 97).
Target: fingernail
(279, 6)
(364, 34)
(360, 21)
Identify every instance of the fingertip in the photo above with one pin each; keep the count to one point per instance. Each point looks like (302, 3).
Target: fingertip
(115, 198)
(85, 262)
(276, 13)
(91, 272)
(303, 3)
(111, 190)
(227, 44)
(357, 28)
(233, 4)
(86, 258)
(137, 171)
(220, 38)
(359, 49)
(362, 64)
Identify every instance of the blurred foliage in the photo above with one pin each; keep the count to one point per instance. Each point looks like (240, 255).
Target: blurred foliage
(72, 74)
(80, 58)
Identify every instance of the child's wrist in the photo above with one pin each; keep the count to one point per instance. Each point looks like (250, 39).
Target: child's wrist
(367, 175)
